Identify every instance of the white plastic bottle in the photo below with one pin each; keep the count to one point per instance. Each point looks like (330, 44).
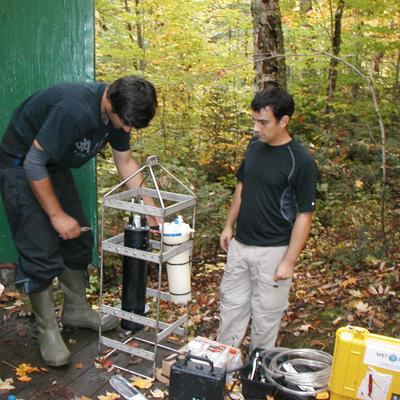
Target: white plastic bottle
(179, 266)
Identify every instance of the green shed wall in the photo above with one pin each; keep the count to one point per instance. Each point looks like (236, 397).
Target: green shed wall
(43, 42)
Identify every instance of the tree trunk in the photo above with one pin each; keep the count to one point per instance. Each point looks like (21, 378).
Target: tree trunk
(336, 39)
(139, 33)
(396, 79)
(268, 42)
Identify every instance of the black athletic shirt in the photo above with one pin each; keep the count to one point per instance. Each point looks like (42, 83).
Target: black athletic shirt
(278, 183)
(66, 121)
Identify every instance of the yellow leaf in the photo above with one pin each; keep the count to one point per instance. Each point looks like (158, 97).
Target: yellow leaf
(24, 369)
(109, 396)
(356, 293)
(358, 183)
(142, 383)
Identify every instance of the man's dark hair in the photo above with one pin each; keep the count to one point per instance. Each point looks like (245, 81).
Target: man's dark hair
(134, 100)
(280, 101)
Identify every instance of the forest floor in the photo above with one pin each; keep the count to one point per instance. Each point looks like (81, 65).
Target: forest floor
(323, 298)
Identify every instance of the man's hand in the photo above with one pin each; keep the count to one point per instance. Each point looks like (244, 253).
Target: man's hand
(153, 221)
(285, 270)
(225, 238)
(66, 226)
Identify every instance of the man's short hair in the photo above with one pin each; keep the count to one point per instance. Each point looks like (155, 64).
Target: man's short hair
(280, 102)
(134, 100)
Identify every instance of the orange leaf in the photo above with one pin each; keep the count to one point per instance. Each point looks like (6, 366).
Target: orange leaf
(24, 378)
(348, 282)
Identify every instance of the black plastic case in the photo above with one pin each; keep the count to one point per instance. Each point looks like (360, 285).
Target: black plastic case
(194, 380)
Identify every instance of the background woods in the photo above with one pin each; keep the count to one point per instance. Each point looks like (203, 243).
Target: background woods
(206, 59)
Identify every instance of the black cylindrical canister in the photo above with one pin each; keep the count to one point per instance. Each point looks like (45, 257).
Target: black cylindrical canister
(134, 276)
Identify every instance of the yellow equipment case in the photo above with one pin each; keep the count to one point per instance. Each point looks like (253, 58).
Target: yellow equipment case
(365, 366)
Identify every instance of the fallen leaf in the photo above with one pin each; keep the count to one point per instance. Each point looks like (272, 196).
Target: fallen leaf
(356, 293)
(359, 184)
(348, 282)
(236, 396)
(12, 295)
(373, 290)
(337, 320)
(103, 363)
(6, 384)
(305, 327)
(133, 343)
(142, 383)
(84, 398)
(362, 307)
(378, 323)
(24, 378)
(24, 369)
(318, 343)
(157, 394)
(109, 396)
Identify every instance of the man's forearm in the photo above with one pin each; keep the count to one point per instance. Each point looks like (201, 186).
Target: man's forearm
(125, 170)
(301, 231)
(44, 193)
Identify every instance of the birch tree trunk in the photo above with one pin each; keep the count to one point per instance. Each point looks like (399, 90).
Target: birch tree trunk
(268, 41)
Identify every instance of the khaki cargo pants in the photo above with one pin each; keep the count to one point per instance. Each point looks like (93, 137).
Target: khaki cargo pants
(249, 291)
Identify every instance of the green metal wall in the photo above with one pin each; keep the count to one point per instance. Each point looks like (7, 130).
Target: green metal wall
(43, 42)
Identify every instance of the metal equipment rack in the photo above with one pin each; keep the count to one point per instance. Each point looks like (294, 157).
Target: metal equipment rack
(122, 201)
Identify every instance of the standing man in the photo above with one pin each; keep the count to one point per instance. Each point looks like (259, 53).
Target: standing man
(56, 129)
(272, 207)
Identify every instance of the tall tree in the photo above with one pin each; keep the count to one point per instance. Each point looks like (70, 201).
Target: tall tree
(268, 42)
(336, 29)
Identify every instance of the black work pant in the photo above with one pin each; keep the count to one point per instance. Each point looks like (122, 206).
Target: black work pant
(42, 254)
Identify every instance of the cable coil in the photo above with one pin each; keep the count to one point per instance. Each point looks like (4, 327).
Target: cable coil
(300, 372)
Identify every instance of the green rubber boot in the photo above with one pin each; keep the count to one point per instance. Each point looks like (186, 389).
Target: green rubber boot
(77, 312)
(52, 347)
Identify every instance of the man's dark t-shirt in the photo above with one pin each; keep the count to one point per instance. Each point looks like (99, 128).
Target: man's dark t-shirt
(278, 183)
(66, 121)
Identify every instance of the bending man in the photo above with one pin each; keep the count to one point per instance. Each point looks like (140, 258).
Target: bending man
(56, 129)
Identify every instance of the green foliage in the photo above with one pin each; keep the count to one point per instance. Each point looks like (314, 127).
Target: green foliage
(199, 55)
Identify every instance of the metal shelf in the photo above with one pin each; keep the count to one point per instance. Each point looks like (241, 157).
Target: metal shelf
(115, 245)
(170, 204)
